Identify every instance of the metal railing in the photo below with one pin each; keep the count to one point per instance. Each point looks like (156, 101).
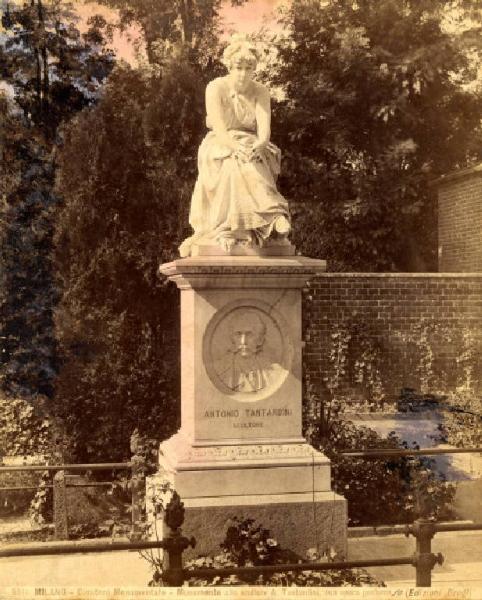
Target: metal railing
(174, 545)
(62, 482)
(174, 574)
(69, 467)
(424, 529)
(391, 452)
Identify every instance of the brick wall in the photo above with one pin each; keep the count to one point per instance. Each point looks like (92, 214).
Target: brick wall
(460, 221)
(391, 311)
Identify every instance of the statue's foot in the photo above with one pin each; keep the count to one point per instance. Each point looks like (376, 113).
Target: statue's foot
(282, 226)
(185, 248)
(248, 239)
(277, 240)
(227, 243)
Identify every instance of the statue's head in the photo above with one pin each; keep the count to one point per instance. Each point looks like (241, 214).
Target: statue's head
(247, 331)
(241, 52)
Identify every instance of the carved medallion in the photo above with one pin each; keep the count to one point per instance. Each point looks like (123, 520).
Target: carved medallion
(247, 350)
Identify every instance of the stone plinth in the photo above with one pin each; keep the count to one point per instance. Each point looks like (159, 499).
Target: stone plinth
(240, 450)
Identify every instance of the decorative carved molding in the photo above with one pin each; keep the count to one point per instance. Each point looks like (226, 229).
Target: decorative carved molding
(248, 264)
(238, 270)
(180, 448)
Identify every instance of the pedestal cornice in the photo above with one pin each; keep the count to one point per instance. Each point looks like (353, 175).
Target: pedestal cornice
(242, 271)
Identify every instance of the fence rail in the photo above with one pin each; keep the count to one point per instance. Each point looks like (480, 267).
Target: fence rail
(68, 467)
(78, 547)
(423, 529)
(62, 482)
(388, 452)
(175, 544)
(51, 486)
(305, 566)
(441, 527)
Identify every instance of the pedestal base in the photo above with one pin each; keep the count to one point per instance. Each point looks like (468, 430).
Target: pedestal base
(297, 521)
(197, 471)
(285, 487)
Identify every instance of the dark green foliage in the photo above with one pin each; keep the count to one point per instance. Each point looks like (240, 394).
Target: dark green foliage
(383, 491)
(248, 543)
(51, 72)
(16, 503)
(461, 424)
(26, 290)
(24, 430)
(127, 190)
(374, 106)
(54, 70)
(42, 505)
(27, 293)
(461, 429)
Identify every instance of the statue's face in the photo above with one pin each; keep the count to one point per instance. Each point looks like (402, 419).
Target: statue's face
(242, 73)
(247, 335)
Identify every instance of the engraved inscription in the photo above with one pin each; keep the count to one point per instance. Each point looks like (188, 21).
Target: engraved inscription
(248, 452)
(248, 413)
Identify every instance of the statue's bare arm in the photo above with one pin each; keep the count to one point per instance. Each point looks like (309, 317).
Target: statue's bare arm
(214, 110)
(263, 115)
(263, 118)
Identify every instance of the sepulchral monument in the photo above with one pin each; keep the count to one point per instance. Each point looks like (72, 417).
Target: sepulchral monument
(240, 450)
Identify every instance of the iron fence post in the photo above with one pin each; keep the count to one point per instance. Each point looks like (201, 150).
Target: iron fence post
(173, 573)
(175, 543)
(137, 485)
(137, 479)
(61, 520)
(424, 559)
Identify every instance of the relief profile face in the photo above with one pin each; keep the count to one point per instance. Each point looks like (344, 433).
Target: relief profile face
(247, 352)
(247, 331)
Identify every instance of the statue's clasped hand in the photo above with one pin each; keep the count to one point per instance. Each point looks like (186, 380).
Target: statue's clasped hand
(256, 151)
(249, 154)
(241, 154)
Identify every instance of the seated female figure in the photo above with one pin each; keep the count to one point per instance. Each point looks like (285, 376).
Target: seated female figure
(235, 199)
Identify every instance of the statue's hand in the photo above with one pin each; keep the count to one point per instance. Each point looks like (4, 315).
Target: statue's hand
(241, 153)
(257, 150)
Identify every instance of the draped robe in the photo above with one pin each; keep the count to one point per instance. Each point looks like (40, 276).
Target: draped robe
(232, 195)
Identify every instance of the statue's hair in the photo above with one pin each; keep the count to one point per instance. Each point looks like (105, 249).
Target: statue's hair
(240, 47)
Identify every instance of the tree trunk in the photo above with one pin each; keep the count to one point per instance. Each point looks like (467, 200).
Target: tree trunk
(43, 46)
(45, 69)
(38, 80)
(186, 11)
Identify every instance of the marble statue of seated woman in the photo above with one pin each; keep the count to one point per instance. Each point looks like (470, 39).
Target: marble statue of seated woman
(235, 199)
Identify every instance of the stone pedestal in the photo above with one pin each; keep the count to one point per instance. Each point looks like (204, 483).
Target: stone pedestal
(240, 451)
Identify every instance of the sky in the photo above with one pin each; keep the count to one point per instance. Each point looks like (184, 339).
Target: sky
(246, 19)
(249, 17)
